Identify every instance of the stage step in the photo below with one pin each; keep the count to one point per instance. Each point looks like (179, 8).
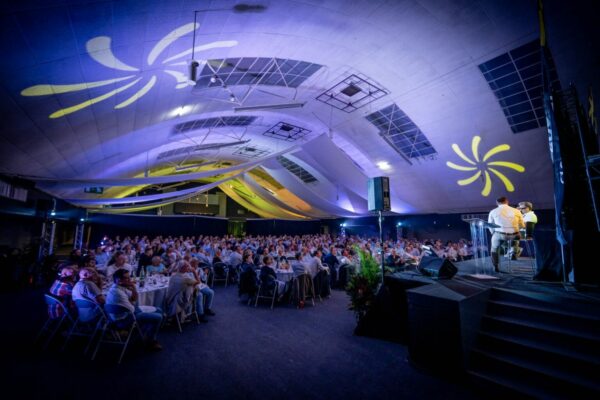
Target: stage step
(572, 305)
(545, 315)
(496, 386)
(539, 345)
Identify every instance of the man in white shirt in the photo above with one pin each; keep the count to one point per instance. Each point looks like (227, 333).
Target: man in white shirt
(509, 221)
(235, 258)
(120, 263)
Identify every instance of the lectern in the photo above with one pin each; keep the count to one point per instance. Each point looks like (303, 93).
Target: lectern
(481, 250)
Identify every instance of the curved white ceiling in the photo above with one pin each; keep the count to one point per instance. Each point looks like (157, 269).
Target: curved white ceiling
(96, 90)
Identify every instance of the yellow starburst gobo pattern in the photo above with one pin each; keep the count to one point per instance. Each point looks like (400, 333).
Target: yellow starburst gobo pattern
(99, 49)
(483, 167)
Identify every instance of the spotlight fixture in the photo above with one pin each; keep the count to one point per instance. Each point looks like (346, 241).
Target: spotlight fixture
(232, 98)
(213, 79)
(383, 165)
(194, 71)
(52, 213)
(81, 219)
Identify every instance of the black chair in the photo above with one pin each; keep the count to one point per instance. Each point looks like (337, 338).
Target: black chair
(220, 273)
(248, 284)
(344, 273)
(267, 289)
(304, 289)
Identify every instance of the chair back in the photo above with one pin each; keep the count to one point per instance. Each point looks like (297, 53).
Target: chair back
(529, 228)
(54, 304)
(178, 302)
(248, 282)
(344, 275)
(267, 283)
(87, 310)
(120, 315)
(204, 265)
(220, 270)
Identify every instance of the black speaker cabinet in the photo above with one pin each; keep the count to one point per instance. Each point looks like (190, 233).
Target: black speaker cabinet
(379, 194)
(437, 267)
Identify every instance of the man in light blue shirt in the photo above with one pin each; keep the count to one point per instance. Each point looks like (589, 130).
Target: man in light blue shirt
(124, 293)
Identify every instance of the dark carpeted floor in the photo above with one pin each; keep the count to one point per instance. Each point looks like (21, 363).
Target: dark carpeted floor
(243, 352)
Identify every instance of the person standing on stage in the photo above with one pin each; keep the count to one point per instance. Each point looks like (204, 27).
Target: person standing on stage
(509, 221)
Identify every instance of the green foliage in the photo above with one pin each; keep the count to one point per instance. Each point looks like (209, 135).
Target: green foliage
(363, 285)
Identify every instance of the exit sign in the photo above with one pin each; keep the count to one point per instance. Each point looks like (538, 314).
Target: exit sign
(98, 190)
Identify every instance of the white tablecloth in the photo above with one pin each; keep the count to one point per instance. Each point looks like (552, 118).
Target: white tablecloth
(284, 275)
(151, 294)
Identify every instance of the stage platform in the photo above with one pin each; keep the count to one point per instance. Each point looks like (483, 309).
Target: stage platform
(441, 320)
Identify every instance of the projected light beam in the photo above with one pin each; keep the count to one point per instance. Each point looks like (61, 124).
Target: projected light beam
(100, 50)
(482, 167)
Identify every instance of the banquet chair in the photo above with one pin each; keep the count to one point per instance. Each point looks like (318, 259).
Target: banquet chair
(177, 307)
(247, 284)
(305, 289)
(267, 289)
(90, 318)
(344, 276)
(220, 273)
(112, 326)
(53, 325)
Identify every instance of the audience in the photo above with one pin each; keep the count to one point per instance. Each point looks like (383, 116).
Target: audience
(187, 264)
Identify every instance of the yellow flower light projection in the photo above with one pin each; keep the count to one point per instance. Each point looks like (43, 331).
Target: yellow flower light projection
(482, 167)
(99, 49)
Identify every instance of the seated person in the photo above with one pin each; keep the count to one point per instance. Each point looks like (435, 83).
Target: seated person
(236, 258)
(204, 294)
(145, 260)
(156, 267)
(333, 262)
(120, 263)
(62, 288)
(248, 262)
(97, 277)
(320, 275)
(268, 274)
(248, 280)
(86, 289)
(529, 218)
(394, 259)
(124, 293)
(101, 256)
(297, 265)
(180, 292)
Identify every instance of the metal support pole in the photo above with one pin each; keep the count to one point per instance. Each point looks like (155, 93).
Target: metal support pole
(78, 241)
(381, 240)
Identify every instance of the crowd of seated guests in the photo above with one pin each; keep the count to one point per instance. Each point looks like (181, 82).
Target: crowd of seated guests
(331, 252)
(249, 260)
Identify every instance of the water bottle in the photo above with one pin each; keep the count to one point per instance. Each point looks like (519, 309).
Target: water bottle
(142, 282)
